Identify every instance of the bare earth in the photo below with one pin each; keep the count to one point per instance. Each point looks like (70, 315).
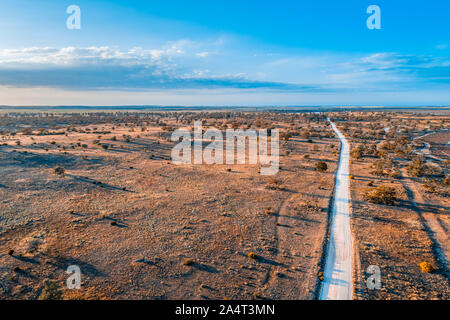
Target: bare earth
(141, 227)
(130, 218)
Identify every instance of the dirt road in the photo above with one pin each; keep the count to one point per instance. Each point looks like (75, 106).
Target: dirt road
(338, 272)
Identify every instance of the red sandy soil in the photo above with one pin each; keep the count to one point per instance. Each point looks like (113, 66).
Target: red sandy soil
(132, 243)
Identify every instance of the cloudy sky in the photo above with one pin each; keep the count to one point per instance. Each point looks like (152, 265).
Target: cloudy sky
(224, 53)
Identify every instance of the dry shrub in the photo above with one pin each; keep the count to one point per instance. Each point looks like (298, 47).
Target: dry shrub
(426, 267)
(417, 168)
(357, 152)
(395, 173)
(305, 134)
(51, 290)
(436, 187)
(320, 276)
(429, 187)
(446, 181)
(188, 262)
(274, 184)
(59, 171)
(381, 195)
(384, 167)
(321, 166)
(252, 255)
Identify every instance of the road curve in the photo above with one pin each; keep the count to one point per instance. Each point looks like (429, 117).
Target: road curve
(338, 271)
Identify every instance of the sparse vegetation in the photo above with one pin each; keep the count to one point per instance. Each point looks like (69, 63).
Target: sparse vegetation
(229, 215)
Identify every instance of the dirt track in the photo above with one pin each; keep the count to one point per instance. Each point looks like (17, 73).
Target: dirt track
(338, 273)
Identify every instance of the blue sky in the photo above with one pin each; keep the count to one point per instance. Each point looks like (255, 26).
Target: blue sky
(225, 53)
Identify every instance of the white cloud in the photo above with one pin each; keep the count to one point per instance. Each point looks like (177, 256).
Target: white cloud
(183, 64)
(176, 65)
(203, 54)
(72, 56)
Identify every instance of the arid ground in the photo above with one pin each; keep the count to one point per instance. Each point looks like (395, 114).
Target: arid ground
(131, 220)
(400, 202)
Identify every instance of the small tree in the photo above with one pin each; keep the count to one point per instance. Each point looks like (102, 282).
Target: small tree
(380, 195)
(321, 166)
(357, 152)
(417, 168)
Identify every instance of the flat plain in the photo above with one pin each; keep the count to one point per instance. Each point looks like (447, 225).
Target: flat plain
(99, 190)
